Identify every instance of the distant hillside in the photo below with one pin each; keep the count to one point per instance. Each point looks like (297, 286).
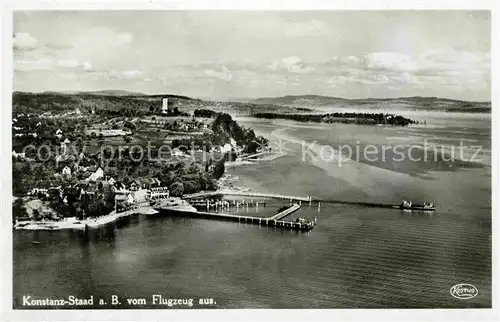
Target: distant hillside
(412, 103)
(105, 92)
(133, 104)
(114, 92)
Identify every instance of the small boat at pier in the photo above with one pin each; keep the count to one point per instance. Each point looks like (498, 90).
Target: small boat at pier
(408, 205)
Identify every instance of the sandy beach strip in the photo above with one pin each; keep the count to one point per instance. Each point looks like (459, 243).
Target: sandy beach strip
(80, 224)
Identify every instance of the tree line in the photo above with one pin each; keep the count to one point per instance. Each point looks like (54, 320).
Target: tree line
(349, 117)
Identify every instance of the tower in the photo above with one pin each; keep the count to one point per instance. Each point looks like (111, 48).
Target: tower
(164, 106)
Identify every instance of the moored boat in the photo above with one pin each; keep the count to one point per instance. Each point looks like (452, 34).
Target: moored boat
(408, 205)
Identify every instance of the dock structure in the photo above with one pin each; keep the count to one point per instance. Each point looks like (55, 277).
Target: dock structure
(224, 204)
(245, 194)
(262, 221)
(251, 156)
(285, 212)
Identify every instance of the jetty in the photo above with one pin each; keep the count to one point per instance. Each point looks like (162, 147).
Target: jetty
(245, 194)
(285, 212)
(274, 221)
(377, 205)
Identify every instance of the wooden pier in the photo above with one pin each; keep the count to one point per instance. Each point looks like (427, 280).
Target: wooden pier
(226, 204)
(285, 212)
(273, 221)
(245, 194)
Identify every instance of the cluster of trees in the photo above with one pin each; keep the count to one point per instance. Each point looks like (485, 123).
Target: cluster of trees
(205, 113)
(195, 126)
(43, 102)
(45, 129)
(69, 203)
(176, 112)
(224, 128)
(191, 178)
(106, 105)
(355, 118)
(203, 142)
(84, 206)
(129, 125)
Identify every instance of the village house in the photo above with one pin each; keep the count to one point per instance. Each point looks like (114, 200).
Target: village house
(66, 171)
(81, 168)
(36, 191)
(134, 186)
(216, 148)
(140, 183)
(18, 155)
(62, 158)
(176, 152)
(98, 174)
(157, 193)
(154, 182)
(64, 147)
(120, 188)
(126, 199)
(226, 148)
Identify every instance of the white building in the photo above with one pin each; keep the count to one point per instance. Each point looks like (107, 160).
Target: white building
(130, 199)
(35, 191)
(127, 198)
(226, 148)
(64, 146)
(177, 152)
(158, 193)
(66, 171)
(164, 106)
(99, 173)
(18, 155)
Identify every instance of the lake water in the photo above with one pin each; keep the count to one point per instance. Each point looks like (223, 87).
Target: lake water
(356, 257)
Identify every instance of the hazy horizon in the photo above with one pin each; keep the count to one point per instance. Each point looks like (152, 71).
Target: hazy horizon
(223, 55)
(229, 99)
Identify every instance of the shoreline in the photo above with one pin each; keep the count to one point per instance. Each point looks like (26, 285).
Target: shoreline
(73, 223)
(229, 181)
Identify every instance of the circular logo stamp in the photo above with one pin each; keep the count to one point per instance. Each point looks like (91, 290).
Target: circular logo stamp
(463, 291)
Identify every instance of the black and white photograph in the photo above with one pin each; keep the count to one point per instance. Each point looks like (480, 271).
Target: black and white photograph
(201, 160)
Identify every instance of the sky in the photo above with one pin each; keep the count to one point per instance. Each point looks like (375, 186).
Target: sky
(250, 54)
